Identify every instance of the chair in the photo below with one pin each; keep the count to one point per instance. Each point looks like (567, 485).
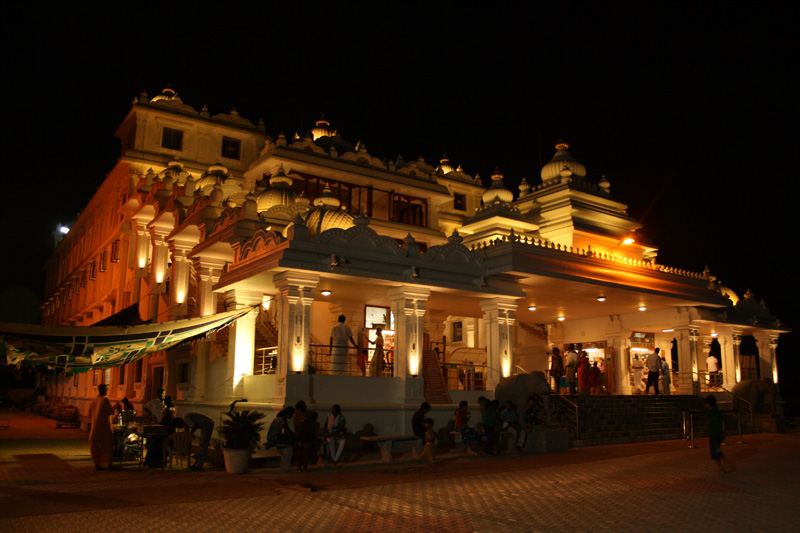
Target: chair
(177, 445)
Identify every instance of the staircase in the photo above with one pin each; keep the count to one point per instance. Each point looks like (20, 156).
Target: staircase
(624, 419)
(435, 387)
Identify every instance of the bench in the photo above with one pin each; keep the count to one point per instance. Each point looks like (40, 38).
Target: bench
(5, 423)
(385, 443)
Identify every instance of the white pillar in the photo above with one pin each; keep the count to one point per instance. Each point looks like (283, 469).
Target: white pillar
(729, 365)
(615, 340)
(181, 272)
(241, 340)
(408, 305)
(767, 344)
(294, 336)
(687, 337)
(736, 341)
(499, 315)
(209, 273)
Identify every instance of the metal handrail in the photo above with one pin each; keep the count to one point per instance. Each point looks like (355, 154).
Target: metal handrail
(689, 435)
(749, 407)
(523, 370)
(577, 414)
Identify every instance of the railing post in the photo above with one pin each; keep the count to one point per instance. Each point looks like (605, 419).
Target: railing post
(577, 424)
(691, 429)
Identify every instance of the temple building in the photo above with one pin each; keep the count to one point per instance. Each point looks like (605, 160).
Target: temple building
(208, 213)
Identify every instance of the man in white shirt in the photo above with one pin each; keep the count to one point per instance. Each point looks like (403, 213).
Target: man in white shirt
(713, 369)
(653, 368)
(155, 407)
(340, 334)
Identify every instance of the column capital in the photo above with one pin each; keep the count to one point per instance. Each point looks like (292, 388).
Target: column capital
(499, 304)
(237, 298)
(287, 279)
(409, 293)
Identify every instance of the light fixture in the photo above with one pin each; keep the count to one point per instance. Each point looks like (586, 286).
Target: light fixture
(532, 308)
(714, 335)
(628, 240)
(561, 319)
(326, 293)
(642, 308)
(668, 330)
(601, 298)
(63, 230)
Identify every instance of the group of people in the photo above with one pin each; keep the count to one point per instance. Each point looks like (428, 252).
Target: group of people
(340, 335)
(491, 416)
(161, 411)
(657, 370)
(578, 373)
(303, 434)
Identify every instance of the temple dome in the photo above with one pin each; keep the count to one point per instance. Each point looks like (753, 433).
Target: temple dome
(561, 159)
(497, 191)
(279, 192)
(322, 129)
(445, 166)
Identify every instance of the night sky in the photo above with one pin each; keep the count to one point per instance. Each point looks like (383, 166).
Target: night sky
(686, 110)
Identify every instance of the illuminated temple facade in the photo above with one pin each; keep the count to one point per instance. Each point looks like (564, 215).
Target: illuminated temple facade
(204, 213)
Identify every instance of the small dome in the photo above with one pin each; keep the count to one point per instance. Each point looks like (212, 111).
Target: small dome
(322, 129)
(562, 159)
(279, 192)
(168, 93)
(524, 188)
(497, 191)
(322, 219)
(327, 199)
(444, 165)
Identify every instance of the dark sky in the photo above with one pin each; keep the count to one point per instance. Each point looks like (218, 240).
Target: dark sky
(686, 110)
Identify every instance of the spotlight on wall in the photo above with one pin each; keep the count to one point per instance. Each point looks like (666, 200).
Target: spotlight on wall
(714, 335)
(668, 330)
(561, 319)
(601, 298)
(326, 293)
(642, 308)
(532, 308)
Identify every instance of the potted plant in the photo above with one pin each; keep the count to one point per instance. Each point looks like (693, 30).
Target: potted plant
(240, 434)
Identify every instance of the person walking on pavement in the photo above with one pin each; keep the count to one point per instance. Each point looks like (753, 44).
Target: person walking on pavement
(653, 371)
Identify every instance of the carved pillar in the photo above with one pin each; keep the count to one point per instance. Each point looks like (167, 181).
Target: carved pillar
(729, 364)
(181, 271)
(294, 320)
(241, 340)
(736, 340)
(209, 273)
(408, 305)
(767, 345)
(687, 356)
(499, 315)
(620, 363)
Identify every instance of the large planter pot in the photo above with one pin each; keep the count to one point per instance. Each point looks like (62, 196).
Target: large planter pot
(236, 461)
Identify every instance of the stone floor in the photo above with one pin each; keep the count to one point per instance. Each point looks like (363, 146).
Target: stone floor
(48, 483)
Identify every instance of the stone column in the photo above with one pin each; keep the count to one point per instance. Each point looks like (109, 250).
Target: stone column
(294, 298)
(181, 271)
(736, 341)
(209, 273)
(499, 315)
(767, 344)
(730, 366)
(687, 337)
(159, 271)
(241, 340)
(615, 340)
(408, 305)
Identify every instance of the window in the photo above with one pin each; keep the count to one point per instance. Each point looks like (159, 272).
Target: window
(183, 373)
(138, 372)
(458, 332)
(460, 201)
(231, 148)
(172, 139)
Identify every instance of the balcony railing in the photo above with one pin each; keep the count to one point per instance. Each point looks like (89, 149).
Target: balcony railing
(464, 376)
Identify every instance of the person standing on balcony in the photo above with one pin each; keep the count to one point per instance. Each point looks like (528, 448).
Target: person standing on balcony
(572, 362)
(713, 371)
(340, 334)
(653, 371)
(376, 363)
(665, 375)
(556, 368)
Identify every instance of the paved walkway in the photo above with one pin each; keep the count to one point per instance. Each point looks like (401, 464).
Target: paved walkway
(48, 483)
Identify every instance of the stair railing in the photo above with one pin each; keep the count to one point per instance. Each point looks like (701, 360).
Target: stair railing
(572, 407)
(749, 408)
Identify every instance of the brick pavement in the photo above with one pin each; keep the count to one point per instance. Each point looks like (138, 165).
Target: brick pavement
(48, 483)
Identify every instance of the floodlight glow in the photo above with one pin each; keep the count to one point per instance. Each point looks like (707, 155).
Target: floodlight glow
(63, 230)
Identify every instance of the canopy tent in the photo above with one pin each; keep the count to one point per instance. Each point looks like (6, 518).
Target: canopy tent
(83, 348)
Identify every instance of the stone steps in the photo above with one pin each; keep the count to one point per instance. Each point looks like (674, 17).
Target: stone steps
(627, 419)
